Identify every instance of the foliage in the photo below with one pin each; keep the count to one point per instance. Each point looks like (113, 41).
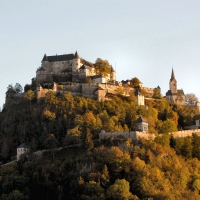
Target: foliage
(86, 168)
(135, 82)
(14, 89)
(102, 67)
(191, 99)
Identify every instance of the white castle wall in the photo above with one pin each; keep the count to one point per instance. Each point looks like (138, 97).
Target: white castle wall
(186, 133)
(138, 135)
(134, 135)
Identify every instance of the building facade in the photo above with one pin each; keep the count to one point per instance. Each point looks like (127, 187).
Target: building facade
(70, 68)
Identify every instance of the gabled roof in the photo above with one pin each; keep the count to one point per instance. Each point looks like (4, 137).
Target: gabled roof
(181, 92)
(23, 145)
(87, 63)
(59, 57)
(41, 69)
(168, 93)
(141, 119)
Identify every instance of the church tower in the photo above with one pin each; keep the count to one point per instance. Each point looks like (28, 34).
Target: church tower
(173, 83)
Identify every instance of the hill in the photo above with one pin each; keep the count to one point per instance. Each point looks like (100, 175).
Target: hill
(165, 168)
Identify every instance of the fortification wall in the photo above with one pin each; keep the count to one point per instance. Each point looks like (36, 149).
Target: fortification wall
(73, 88)
(186, 133)
(138, 135)
(149, 91)
(44, 78)
(78, 77)
(65, 77)
(89, 89)
(133, 135)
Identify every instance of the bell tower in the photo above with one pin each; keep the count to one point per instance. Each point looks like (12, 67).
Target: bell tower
(173, 83)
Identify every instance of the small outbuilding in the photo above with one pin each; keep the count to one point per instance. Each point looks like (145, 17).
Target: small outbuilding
(22, 149)
(142, 125)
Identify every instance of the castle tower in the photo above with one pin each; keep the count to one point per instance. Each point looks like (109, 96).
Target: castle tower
(173, 83)
(76, 62)
(113, 74)
(45, 63)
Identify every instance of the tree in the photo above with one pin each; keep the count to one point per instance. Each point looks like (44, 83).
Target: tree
(73, 137)
(27, 87)
(135, 82)
(186, 149)
(51, 143)
(191, 99)
(29, 95)
(119, 190)
(11, 89)
(157, 94)
(88, 143)
(102, 67)
(167, 127)
(50, 97)
(196, 146)
(18, 88)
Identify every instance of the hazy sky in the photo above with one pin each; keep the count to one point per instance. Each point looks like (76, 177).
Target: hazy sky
(146, 38)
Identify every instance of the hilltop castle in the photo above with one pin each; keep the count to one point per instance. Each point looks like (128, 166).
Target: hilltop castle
(70, 68)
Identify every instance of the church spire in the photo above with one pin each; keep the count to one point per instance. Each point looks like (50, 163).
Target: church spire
(172, 76)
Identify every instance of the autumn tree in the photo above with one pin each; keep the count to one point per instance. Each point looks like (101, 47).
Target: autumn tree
(167, 127)
(51, 143)
(191, 99)
(135, 82)
(102, 67)
(119, 190)
(157, 93)
(29, 95)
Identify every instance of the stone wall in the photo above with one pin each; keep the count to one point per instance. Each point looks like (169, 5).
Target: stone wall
(44, 78)
(78, 77)
(186, 133)
(138, 135)
(134, 135)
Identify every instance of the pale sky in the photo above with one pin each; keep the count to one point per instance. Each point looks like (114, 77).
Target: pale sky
(146, 38)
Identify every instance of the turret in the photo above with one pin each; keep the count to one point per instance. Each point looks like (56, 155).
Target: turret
(76, 63)
(112, 74)
(45, 62)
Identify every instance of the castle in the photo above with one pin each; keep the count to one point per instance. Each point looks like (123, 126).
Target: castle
(70, 68)
(71, 73)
